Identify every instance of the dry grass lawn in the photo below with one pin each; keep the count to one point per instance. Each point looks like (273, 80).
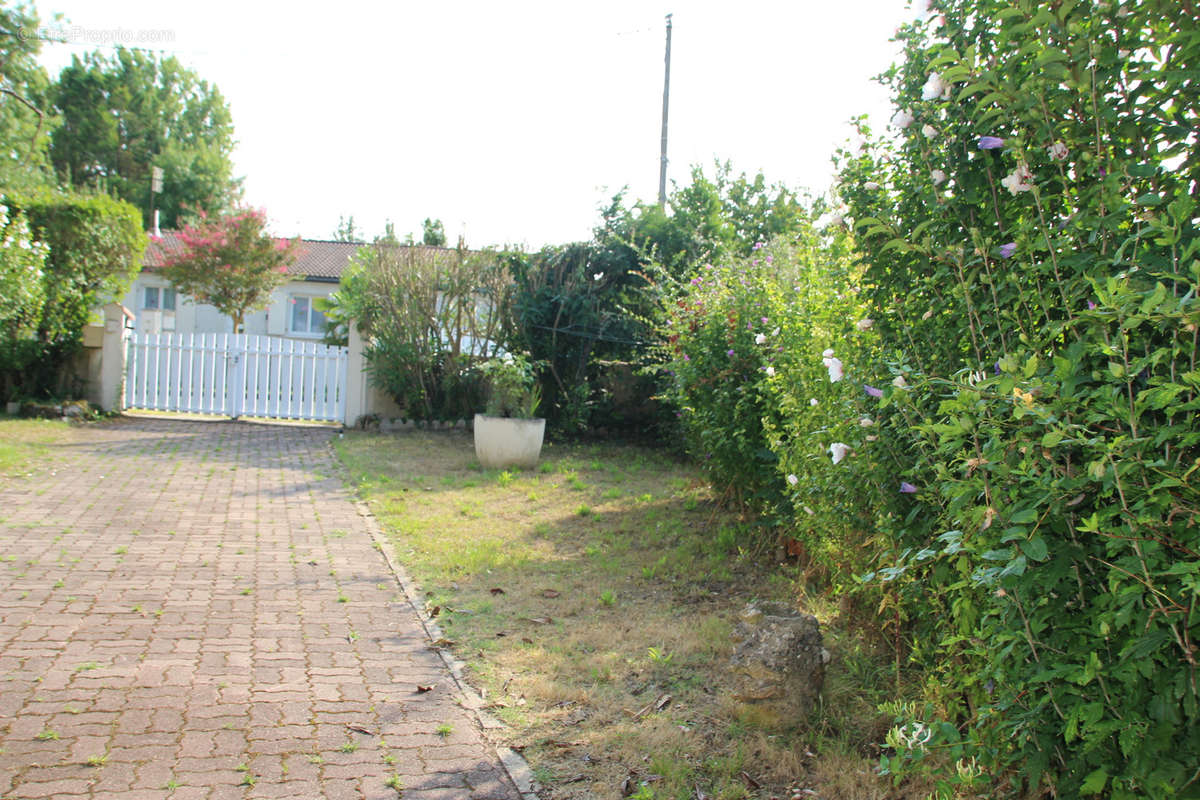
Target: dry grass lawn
(24, 442)
(593, 600)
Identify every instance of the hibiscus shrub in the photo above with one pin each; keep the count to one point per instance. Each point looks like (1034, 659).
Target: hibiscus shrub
(743, 337)
(1031, 258)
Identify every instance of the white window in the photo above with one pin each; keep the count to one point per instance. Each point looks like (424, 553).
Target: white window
(156, 299)
(306, 318)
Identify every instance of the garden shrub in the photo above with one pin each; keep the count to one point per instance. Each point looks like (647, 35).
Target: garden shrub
(427, 315)
(1031, 264)
(741, 339)
(93, 251)
(573, 306)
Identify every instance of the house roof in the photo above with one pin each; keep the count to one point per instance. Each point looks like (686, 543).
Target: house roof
(317, 258)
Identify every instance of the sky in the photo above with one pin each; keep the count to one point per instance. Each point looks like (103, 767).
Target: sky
(513, 122)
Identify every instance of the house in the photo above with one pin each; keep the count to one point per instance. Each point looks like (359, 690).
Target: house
(314, 273)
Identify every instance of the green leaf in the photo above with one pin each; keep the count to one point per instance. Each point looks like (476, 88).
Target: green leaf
(1095, 782)
(1035, 548)
(1024, 516)
(1149, 199)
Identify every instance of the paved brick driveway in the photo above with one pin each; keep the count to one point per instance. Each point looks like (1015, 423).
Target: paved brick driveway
(197, 610)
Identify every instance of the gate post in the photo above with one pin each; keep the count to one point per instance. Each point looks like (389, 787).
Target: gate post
(113, 353)
(356, 379)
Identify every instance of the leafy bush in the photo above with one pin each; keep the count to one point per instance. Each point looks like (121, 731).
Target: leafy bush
(573, 306)
(94, 251)
(1031, 264)
(741, 341)
(512, 387)
(427, 315)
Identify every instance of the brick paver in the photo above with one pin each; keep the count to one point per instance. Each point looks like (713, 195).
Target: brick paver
(197, 610)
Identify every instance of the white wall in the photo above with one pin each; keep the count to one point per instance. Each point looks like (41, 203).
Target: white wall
(191, 317)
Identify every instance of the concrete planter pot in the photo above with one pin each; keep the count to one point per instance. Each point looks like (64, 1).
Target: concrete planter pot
(13, 408)
(508, 442)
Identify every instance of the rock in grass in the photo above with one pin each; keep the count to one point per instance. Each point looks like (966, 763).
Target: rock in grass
(779, 658)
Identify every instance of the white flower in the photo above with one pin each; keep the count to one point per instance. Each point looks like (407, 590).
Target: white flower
(864, 324)
(902, 119)
(792, 480)
(1058, 151)
(872, 438)
(899, 382)
(870, 186)
(838, 451)
(939, 177)
(866, 422)
(934, 87)
(775, 332)
(1020, 180)
(827, 352)
(812, 401)
(760, 339)
(929, 131)
(808, 510)
(836, 219)
(834, 365)
(598, 276)
(770, 372)
(927, 314)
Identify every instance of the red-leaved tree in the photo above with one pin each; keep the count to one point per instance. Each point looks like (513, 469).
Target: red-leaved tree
(230, 262)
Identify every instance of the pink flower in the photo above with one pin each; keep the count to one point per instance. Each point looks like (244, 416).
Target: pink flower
(838, 451)
(938, 176)
(1058, 151)
(902, 119)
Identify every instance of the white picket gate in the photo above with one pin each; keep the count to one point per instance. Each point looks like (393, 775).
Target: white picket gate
(236, 375)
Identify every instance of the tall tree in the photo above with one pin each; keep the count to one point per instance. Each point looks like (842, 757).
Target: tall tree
(433, 233)
(124, 114)
(229, 261)
(25, 109)
(347, 231)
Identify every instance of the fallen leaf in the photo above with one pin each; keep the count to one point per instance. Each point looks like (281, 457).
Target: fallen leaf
(753, 784)
(526, 640)
(699, 794)
(540, 620)
(627, 786)
(359, 729)
(794, 548)
(423, 689)
(433, 612)
(497, 590)
(641, 712)
(549, 594)
(663, 702)
(521, 700)
(443, 642)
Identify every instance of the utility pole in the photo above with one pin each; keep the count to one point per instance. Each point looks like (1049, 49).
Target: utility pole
(662, 166)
